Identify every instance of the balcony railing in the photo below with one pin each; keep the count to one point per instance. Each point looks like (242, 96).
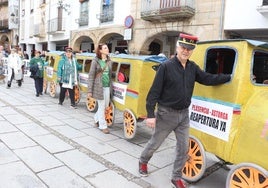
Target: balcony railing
(39, 30)
(106, 16)
(82, 21)
(56, 25)
(4, 24)
(166, 10)
(2, 2)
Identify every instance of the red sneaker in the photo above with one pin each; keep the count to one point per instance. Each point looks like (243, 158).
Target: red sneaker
(179, 183)
(143, 170)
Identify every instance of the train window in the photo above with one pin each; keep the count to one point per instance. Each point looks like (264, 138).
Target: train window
(124, 73)
(260, 67)
(114, 70)
(220, 60)
(87, 65)
(52, 61)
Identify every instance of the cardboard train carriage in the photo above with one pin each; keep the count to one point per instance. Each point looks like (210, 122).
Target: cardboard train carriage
(132, 77)
(231, 120)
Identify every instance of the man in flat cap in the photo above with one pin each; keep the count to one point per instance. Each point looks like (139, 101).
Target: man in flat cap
(171, 92)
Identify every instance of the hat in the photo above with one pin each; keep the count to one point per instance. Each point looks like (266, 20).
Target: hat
(68, 49)
(187, 41)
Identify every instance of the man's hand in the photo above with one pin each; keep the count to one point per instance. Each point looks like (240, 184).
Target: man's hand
(89, 95)
(150, 122)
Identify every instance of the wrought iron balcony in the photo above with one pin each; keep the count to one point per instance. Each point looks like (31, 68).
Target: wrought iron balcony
(106, 16)
(82, 21)
(56, 25)
(3, 2)
(4, 24)
(166, 10)
(39, 30)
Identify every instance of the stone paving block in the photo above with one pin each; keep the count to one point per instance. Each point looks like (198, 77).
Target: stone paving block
(69, 131)
(125, 161)
(52, 143)
(50, 121)
(128, 147)
(97, 146)
(63, 177)
(33, 129)
(17, 175)
(17, 140)
(80, 163)
(110, 179)
(163, 158)
(17, 119)
(160, 178)
(37, 158)
(58, 115)
(6, 155)
(75, 123)
(96, 133)
(6, 127)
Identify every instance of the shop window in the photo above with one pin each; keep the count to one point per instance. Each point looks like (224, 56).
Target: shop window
(220, 60)
(260, 68)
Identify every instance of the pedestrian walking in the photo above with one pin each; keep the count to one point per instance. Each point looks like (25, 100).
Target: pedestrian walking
(67, 75)
(14, 64)
(37, 72)
(99, 84)
(171, 91)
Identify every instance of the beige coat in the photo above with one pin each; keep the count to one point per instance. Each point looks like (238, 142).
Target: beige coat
(95, 83)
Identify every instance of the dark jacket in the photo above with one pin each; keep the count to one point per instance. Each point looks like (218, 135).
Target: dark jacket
(34, 71)
(173, 85)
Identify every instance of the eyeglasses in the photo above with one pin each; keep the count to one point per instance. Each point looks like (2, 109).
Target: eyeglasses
(68, 51)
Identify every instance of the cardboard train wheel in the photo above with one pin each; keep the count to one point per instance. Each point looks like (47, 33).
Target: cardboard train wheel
(195, 165)
(45, 86)
(53, 89)
(247, 175)
(130, 124)
(109, 114)
(77, 94)
(92, 104)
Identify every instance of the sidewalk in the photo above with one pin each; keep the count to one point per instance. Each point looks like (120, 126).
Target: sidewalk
(43, 144)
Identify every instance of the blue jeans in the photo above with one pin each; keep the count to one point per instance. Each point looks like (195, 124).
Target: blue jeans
(168, 120)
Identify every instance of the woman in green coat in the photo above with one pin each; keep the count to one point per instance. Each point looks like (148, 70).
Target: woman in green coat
(68, 75)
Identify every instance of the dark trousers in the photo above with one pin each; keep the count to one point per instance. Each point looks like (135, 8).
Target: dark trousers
(12, 77)
(38, 83)
(63, 93)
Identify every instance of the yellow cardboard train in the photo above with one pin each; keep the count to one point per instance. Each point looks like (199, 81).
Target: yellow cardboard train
(229, 120)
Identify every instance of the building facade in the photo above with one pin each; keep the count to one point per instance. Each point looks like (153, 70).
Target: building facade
(135, 26)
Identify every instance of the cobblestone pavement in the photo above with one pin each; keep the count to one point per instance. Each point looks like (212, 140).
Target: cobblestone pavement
(43, 144)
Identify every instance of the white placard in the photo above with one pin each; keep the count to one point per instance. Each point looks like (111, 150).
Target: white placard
(119, 92)
(128, 34)
(211, 118)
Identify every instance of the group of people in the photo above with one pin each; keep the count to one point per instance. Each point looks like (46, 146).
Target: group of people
(167, 101)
